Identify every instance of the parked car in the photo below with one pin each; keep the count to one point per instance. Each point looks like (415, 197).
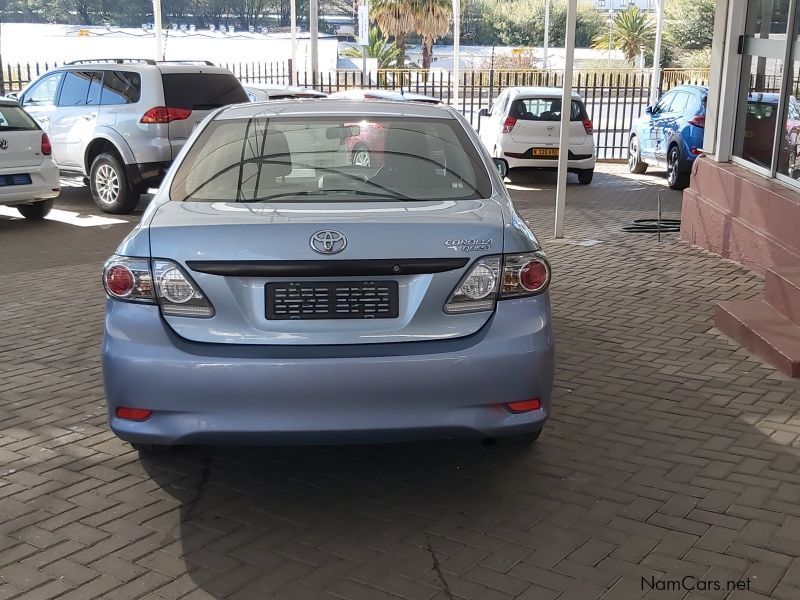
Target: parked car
(121, 123)
(261, 92)
(366, 148)
(379, 94)
(523, 127)
(670, 135)
(28, 176)
(275, 294)
(759, 132)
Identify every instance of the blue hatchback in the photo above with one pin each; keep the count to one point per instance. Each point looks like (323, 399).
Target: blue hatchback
(670, 135)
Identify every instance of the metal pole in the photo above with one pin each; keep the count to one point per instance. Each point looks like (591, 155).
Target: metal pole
(293, 29)
(313, 31)
(657, 52)
(157, 30)
(566, 114)
(546, 33)
(456, 49)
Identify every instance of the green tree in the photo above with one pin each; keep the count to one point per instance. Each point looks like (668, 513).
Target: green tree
(631, 30)
(688, 31)
(431, 21)
(379, 47)
(395, 19)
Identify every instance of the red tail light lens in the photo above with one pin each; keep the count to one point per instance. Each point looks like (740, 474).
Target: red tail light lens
(163, 114)
(525, 274)
(120, 281)
(508, 124)
(534, 276)
(698, 121)
(47, 149)
(133, 414)
(588, 126)
(524, 405)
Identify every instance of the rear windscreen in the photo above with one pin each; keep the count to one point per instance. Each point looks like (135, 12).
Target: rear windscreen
(13, 118)
(545, 109)
(202, 91)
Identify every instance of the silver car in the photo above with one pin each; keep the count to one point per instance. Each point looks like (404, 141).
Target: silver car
(120, 123)
(274, 293)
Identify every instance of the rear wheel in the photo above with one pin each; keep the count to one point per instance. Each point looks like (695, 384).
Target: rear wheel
(677, 179)
(585, 176)
(35, 211)
(111, 190)
(635, 164)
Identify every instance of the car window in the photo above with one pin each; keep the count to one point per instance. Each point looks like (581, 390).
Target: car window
(202, 91)
(95, 88)
(75, 89)
(760, 110)
(43, 92)
(292, 159)
(13, 118)
(121, 87)
(665, 103)
(544, 109)
(680, 102)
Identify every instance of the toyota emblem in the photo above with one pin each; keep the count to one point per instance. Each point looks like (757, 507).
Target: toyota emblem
(3, 144)
(328, 241)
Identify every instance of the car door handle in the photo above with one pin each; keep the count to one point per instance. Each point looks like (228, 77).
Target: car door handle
(90, 116)
(44, 119)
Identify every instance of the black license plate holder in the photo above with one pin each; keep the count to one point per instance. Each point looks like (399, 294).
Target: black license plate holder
(314, 300)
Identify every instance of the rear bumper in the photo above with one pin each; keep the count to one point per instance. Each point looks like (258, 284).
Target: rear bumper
(147, 174)
(210, 393)
(539, 163)
(44, 184)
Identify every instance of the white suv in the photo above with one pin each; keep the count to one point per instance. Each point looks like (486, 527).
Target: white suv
(523, 127)
(122, 122)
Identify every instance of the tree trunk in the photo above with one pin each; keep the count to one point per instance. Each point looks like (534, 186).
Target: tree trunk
(427, 52)
(400, 42)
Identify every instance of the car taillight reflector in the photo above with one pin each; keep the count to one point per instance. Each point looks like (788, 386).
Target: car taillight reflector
(534, 276)
(127, 278)
(47, 149)
(588, 126)
(133, 414)
(524, 405)
(525, 274)
(698, 121)
(508, 124)
(164, 114)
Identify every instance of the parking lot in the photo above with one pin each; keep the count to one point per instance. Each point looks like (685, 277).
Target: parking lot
(671, 463)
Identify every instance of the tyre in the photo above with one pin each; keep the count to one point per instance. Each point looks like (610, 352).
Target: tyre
(35, 211)
(677, 179)
(585, 176)
(635, 164)
(361, 157)
(111, 190)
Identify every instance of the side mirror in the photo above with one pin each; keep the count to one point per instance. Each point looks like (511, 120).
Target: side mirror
(650, 109)
(12, 95)
(484, 112)
(501, 164)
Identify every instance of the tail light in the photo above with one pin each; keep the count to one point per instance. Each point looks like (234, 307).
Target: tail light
(163, 114)
(508, 124)
(698, 121)
(525, 274)
(132, 280)
(47, 149)
(128, 279)
(177, 294)
(588, 126)
(133, 414)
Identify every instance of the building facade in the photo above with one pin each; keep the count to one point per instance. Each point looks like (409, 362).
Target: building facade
(744, 197)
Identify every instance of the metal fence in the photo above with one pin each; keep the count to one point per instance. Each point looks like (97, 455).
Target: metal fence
(614, 98)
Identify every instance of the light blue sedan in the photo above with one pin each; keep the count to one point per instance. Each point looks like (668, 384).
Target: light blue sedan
(276, 294)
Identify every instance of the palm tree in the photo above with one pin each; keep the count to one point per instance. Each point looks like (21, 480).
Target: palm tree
(631, 30)
(395, 18)
(431, 20)
(386, 52)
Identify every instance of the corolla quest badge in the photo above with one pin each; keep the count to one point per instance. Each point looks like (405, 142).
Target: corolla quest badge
(328, 241)
(3, 144)
(470, 245)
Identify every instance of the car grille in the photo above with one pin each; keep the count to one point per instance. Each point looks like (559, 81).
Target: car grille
(332, 300)
(16, 179)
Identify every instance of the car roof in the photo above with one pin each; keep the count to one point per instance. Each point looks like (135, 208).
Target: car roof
(544, 92)
(8, 101)
(690, 87)
(169, 66)
(335, 107)
(383, 94)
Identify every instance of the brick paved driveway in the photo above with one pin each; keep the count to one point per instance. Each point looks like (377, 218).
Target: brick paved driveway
(671, 452)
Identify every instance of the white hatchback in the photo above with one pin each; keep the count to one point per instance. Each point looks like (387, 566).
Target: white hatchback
(28, 176)
(524, 125)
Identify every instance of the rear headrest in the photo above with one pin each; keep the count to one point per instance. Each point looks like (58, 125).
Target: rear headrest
(277, 158)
